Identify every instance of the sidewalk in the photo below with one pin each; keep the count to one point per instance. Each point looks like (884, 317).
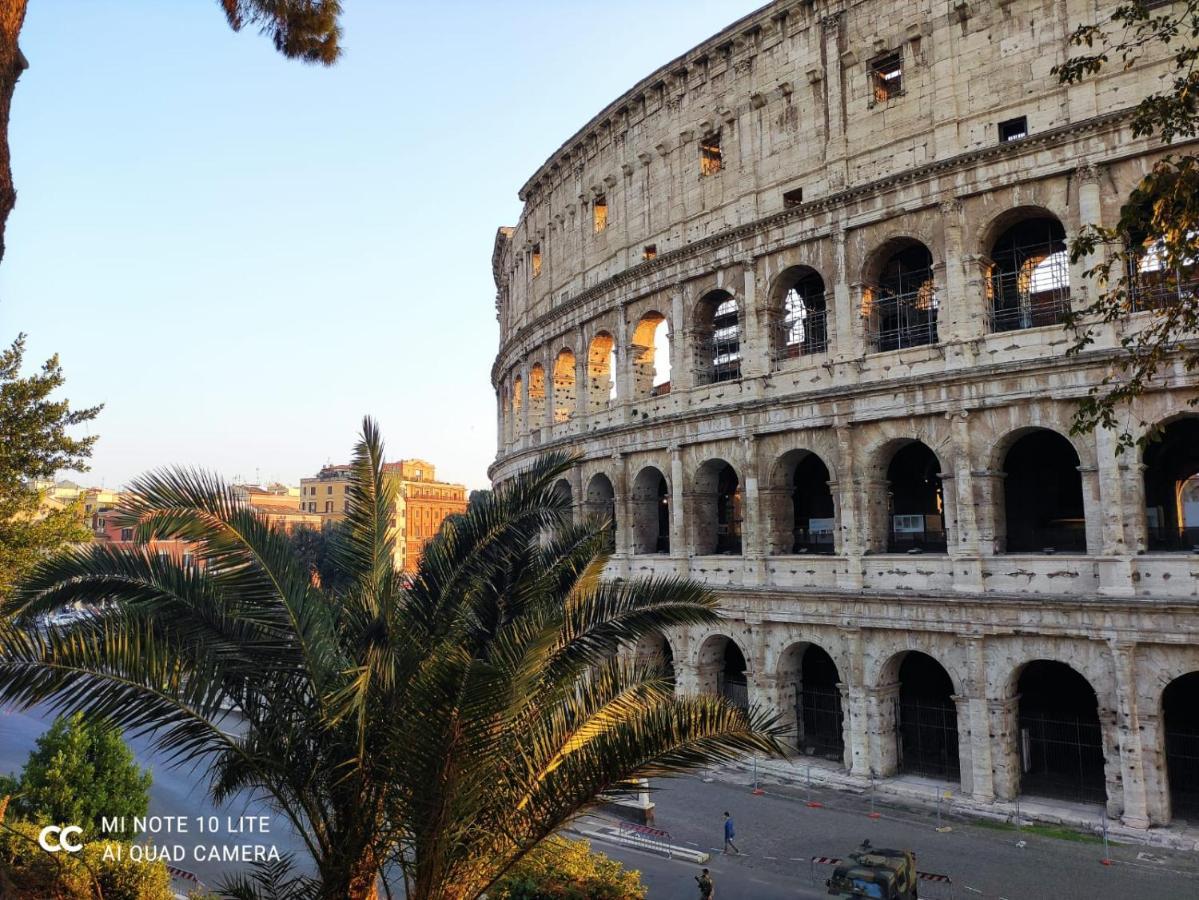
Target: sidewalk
(926, 794)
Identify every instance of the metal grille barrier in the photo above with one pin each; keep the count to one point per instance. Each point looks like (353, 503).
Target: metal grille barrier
(801, 334)
(927, 737)
(898, 321)
(1062, 758)
(926, 541)
(1182, 768)
(1027, 311)
(818, 714)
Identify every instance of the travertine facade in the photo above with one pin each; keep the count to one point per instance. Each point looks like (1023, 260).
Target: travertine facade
(849, 218)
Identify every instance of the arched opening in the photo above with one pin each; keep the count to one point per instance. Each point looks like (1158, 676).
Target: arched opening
(812, 513)
(900, 307)
(811, 701)
(504, 398)
(1028, 282)
(536, 397)
(518, 401)
(601, 365)
(926, 719)
(654, 650)
(718, 509)
(1157, 276)
(651, 512)
(564, 386)
(1042, 495)
(722, 670)
(1180, 721)
(718, 338)
(916, 511)
(799, 323)
(651, 356)
(1060, 740)
(600, 504)
(1172, 487)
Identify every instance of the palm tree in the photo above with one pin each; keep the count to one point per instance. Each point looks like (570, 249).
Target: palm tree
(441, 725)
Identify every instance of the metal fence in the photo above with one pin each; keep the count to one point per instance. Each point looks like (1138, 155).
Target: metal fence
(800, 334)
(819, 717)
(925, 541)
(927, 731)
(1182, 767)
(1062, 758)
(1027, 311)
(897, 321)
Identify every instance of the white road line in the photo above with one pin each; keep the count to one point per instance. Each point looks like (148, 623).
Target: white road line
(972, 890)
(770, 857)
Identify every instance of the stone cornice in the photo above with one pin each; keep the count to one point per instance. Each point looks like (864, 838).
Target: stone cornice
(670, 258)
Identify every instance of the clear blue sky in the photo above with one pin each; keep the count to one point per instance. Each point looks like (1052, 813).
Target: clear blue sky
(241, 255)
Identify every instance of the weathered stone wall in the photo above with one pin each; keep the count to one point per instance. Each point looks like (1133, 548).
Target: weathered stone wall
(788, 90)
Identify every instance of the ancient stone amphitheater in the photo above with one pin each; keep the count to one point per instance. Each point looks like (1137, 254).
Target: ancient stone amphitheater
(796, 297)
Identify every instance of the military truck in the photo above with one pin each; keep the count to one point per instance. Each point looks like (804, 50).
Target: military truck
(876, 873)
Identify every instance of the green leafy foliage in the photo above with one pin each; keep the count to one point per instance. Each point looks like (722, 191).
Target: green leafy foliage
(1159, 224)
(101, 869)
(568, 870)
(314, 549)
(81, 771)
(307, 30)
(441, 725)
(36, 445)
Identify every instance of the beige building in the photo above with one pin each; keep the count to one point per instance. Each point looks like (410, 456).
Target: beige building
(796, 296)
(422, 502)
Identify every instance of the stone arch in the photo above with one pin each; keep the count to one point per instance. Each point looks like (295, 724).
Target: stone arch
(798, 315)
(655, 649)
(1180, 740)
(899, 300)
(1026, 269)
(537, 396)
(651, 355)
(518, 400)
(565, 397)
(601, 372)
(650, 508)
(722, 668)
(718, 326)
(1060, 744)
(810, 700)
(716, 510)
(800, 505)
(918, 716)
(1171, 482)
(599, 503)
(1038, 506)
(912, 513)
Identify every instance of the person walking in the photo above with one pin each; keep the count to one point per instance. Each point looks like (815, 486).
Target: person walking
(707, 890)
(730, 832)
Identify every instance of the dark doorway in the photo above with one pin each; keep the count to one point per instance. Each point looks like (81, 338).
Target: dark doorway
(916, 516)
(601, 506)
(818, 715)
(1042, 491)
(812, 507)
(732, 685)
(1061, 743)
(728, 511)
(927, 719)
(651, 512)
(1180, 719)
(1172, 487)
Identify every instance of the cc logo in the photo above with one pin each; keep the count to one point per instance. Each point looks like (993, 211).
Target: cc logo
(63, 841)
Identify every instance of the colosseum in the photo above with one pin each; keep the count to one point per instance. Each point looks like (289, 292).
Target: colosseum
(797, 297)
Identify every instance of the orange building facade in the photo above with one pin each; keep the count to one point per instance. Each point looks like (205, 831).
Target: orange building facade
(422, 504)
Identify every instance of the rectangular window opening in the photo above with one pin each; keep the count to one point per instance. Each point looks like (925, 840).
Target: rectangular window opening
(886, 76)
(649, 251)
(599, 214)
(1013, 129)
(710, 159)
(536, 260)
(792, 198)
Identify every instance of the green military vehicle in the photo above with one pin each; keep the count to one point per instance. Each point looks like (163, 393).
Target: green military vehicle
(876, 873)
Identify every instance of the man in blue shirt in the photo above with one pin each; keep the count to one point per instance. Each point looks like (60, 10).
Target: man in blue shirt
(729, 834)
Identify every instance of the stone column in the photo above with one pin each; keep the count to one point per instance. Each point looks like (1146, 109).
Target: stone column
(846, 339)
(850, 535)
(1005, 746)
(678, 529)
(1113, 762)
(755, 344)
(582, 408)
(977, 715)
(1090, 212)
(855, 706)
(680, 334)
(1115, 572)
(1136, 520)
(622, 511)
(881, 703)
(1132, 768)
(835, 151)
(960, 315)
(965, 744)
(1153, 758)
(752, 540)
(1093, 511)
(624, 361)
(967, 569)
(686, 678)
(767, 691)
(991, 520)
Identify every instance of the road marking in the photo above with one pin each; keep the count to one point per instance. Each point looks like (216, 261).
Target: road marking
(972, 890)
(770, 857)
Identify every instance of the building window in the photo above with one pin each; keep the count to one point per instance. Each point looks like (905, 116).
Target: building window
(710, 159)
(328, 506)
(886, 76)
(188, 559)
(329, 489)
(599, 213)
(792, 198)
(536, 260)
(126, 534)
(1013, 129)
(650, 251)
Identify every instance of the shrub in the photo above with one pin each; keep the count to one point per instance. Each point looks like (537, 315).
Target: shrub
(567, 870)
(26, 870)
